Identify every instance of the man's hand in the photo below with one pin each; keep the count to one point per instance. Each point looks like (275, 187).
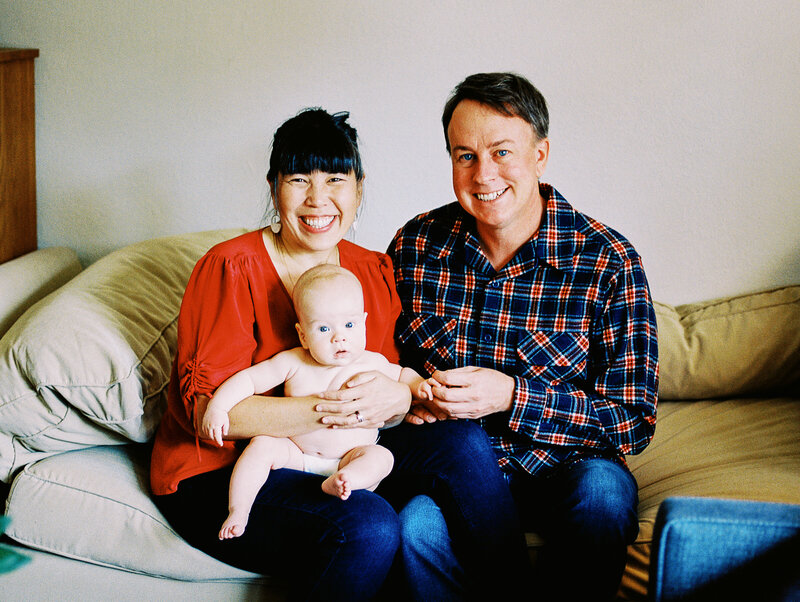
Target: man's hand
(367, 400)
(468, 392)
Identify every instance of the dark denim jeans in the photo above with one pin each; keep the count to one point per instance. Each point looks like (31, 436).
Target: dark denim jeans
(342, 550)
(326, 549)
(586, 512)
(446, 481)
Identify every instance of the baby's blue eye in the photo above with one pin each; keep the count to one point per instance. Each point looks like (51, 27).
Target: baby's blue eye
(324, 329)
(349, 325)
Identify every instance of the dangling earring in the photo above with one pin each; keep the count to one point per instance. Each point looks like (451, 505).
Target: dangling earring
(275, 223)
(354, 226)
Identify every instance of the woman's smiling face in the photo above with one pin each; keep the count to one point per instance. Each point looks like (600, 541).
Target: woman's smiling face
(316, 209)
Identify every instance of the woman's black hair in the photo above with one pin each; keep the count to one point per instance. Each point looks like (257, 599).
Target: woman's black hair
(315, 140)
(507, 93)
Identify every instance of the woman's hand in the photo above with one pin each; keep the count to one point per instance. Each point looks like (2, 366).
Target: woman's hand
(368, 400)
(425, 411)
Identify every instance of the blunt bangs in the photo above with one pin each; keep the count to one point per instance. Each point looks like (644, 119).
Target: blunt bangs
(318, 157)
(315, 140)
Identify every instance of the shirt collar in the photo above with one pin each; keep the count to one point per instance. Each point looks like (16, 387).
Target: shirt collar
(555, 243)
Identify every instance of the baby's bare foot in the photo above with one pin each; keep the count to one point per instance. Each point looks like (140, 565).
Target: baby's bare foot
(337, 485)
(234, 525)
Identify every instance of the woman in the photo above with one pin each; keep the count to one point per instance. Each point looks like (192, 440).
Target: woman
(237, 311)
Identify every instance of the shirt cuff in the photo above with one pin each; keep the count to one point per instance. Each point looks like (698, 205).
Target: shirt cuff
(530, 397)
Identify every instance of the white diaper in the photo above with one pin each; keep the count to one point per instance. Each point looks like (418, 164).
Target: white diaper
(319, 465)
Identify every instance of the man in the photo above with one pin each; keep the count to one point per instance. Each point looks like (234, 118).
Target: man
(537, 321)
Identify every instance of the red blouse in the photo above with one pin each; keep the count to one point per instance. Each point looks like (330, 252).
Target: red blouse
(235, 313)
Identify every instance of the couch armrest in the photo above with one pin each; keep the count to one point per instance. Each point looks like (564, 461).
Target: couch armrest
(27, 279)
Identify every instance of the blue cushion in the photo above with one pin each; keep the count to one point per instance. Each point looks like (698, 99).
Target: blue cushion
(712, 549)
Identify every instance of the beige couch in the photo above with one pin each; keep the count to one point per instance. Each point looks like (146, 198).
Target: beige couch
(728, 421)
(82, 384)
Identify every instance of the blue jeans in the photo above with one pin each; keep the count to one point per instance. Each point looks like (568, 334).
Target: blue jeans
(334, 550)
(711, 549)
(326, 548)
(446, 483)
(585, 511)
(587, 514)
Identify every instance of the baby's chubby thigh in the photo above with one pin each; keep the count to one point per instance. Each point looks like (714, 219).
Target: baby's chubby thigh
(277, 452)
(374, 461)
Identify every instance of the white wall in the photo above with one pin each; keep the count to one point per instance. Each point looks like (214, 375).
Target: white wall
(675, 122)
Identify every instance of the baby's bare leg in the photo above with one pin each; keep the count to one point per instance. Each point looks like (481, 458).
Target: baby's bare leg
(250, 473)
(361, 468)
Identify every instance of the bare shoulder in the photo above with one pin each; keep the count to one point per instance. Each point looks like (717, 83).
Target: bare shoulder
(294, 358)
(375, 361)
(371, 360)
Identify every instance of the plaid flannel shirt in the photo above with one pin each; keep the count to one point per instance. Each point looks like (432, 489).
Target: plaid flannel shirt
(569, 317)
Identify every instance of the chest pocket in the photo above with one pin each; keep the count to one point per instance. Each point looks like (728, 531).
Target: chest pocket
(429, 339)
(552, 356)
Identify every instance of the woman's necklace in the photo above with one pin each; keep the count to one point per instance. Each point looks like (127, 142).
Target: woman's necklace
(291, 268)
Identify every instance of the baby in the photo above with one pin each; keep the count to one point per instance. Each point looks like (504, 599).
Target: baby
(332, 328)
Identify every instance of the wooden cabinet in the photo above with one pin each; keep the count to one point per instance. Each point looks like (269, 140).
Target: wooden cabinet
(17, 153)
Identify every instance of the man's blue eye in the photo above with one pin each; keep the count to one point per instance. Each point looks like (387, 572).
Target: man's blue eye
(502, 153)
(467, 157)
(324, 329)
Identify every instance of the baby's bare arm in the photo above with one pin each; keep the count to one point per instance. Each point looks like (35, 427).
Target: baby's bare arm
(420, 387)
(221, 416)
(215, 422)
(259, 377)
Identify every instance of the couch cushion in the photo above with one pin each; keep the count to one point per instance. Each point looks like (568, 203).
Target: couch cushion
(93, 505)
(731, 347)
(738, 448)
(88, 365)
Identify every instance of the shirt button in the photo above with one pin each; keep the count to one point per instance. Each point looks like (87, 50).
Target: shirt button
(487, 338)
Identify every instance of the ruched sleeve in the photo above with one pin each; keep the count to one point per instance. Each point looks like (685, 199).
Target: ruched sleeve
(215, 328)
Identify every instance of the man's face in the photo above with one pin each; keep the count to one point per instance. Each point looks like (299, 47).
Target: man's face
(497, 162)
